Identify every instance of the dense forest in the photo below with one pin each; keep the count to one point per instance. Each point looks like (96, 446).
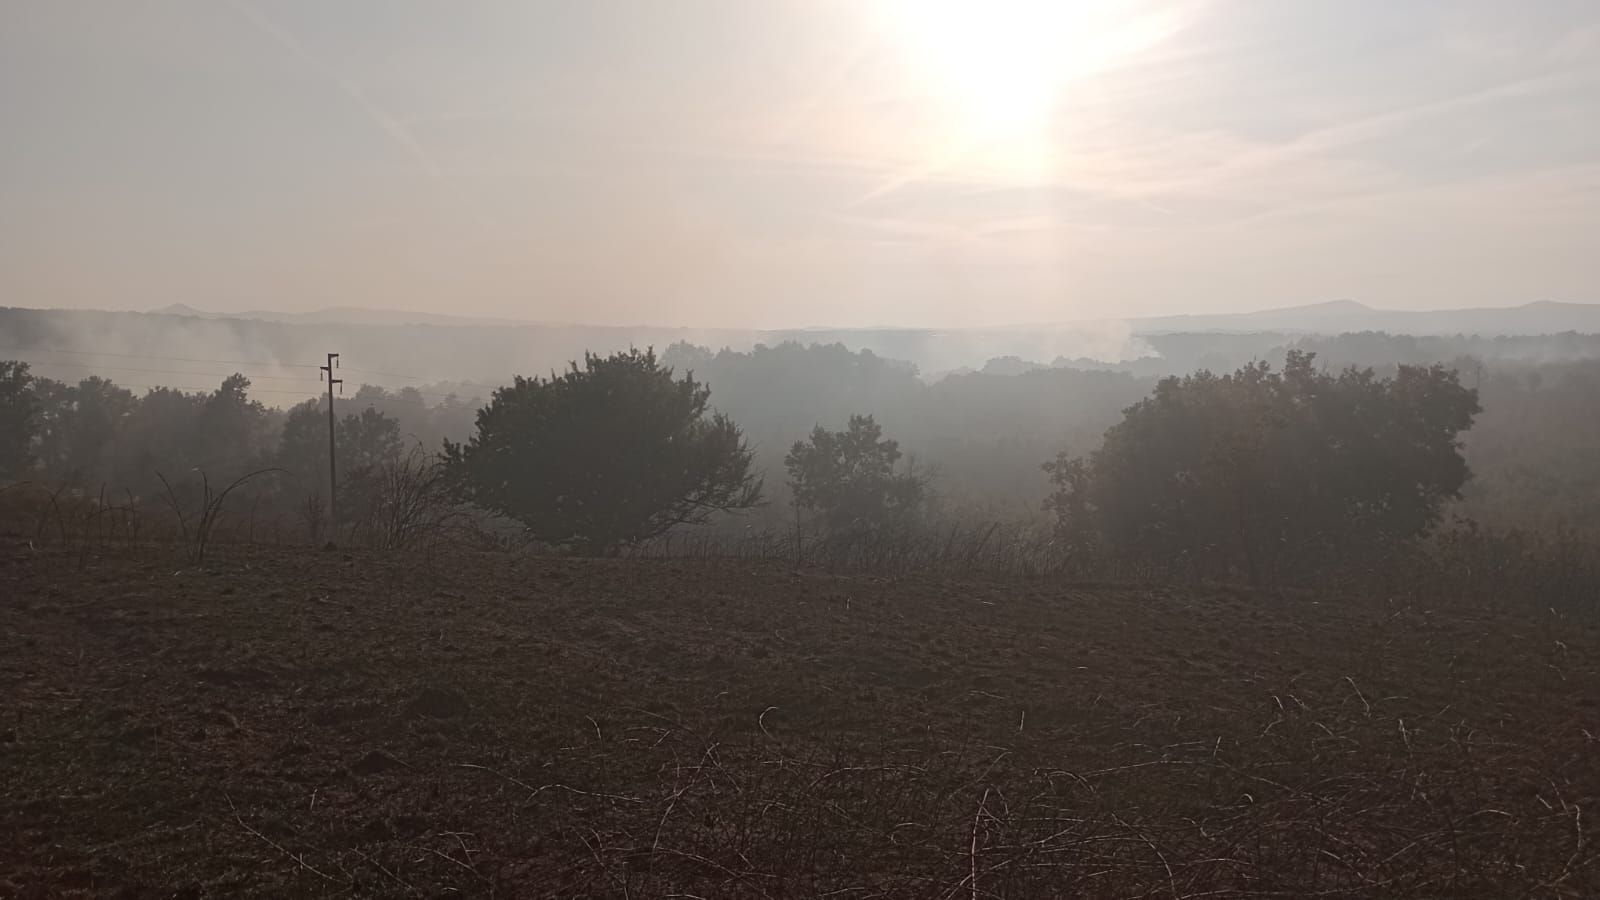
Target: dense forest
(1532, 450)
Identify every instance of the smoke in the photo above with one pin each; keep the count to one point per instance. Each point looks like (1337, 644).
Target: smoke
(937, 352)
(191, 350)
(1105, 341)
(141, 350)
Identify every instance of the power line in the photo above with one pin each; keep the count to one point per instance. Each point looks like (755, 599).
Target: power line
(333, 454)
(96, 367)
(220, 362)
(100, 368)
(226, 362)
(421, 378)
(391, 399)
(396, 398)
(253, 378)
(307, 393)
(202, 389)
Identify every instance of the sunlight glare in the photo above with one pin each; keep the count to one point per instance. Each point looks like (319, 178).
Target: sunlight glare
(1003, 64)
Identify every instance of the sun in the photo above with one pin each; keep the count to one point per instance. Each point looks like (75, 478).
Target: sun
(1002, 65)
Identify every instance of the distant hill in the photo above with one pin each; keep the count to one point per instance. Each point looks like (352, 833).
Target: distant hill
(282, 350)
(1342, 316)
(1332, 317)
(343, 315)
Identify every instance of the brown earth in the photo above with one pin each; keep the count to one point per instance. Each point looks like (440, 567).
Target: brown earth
(310, 724)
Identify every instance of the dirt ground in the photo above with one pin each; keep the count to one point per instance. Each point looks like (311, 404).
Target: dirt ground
(322, 724)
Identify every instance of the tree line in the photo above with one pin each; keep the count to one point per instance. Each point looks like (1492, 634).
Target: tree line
(1239, 473)
(98, 438)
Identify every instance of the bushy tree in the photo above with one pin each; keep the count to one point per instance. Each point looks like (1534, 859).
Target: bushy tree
(222, 434)
(608, 453)
(303, 444)
(367, 440)
(79, 425)
(233, 429)
(849, 478)
(1261, 469)
(160, 432)
(19, 420)
(421, 422)
(364, 440)
(368, 444)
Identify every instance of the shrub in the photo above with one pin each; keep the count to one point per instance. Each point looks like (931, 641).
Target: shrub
(607, 454)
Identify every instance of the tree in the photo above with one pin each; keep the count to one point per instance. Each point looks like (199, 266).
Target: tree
(18, 418)
(79, 426)
(365, 440)
(610, 453)
(233, 429)
(160, 432)
(1260, 469)
(222, 434)
(368, 447)
(985, 433)
(368, 444)
(303, 444)
(849, 477)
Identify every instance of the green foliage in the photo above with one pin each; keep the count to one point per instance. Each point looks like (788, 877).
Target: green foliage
(95, 433)
(985, 433)
(161, 431)
(368, 440)
(229, 422)
(364, 441)
(368, 445)
(1535, 450)
(94, 437)
(421, 421)
(607, 454)
(303, 445)
(79, 425)
(18, 418)
(849, 477)
(1259, 470)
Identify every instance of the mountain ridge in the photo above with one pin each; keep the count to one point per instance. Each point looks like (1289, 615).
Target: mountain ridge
(1323, 317)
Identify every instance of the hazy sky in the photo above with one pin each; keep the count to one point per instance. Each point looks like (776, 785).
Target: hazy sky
(798, 162)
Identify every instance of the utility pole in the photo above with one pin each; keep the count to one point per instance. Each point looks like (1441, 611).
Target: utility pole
(333, 466)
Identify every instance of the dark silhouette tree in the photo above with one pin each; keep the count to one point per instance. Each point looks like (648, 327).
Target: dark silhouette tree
(161, 431)
(79, 425)
(365, 440)
(233, 429)
(303, 444)
(1262, 470)
(849, 478)
(368, 443)
(604, 455)
(18, 418)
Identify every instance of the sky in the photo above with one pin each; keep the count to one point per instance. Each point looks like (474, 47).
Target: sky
(786, 163)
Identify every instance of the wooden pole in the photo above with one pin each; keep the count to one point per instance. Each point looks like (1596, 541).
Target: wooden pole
(333, 465)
